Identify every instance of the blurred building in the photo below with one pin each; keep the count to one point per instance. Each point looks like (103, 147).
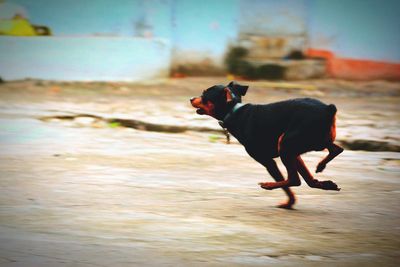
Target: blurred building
(360, 38)
(139, 40)
(90, 40)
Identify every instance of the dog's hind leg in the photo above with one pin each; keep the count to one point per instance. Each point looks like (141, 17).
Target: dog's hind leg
(288, 152)
(314, 183)
(334, 150)
(274, 171)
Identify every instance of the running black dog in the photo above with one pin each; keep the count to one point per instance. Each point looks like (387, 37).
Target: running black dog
(283, 129)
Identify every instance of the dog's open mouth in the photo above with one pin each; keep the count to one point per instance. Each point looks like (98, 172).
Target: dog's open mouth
(197, 103)
(200, 111)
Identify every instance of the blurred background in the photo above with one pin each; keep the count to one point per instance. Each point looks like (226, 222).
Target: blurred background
(137, 40)
(104, 162)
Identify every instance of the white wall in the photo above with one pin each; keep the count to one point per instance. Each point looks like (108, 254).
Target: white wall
(84, 58)
(359, 29)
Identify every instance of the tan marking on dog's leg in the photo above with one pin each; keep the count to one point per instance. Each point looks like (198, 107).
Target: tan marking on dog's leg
(274, 171)
(334, 150)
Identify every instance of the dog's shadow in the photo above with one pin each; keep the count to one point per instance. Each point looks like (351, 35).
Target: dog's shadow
(294, 212)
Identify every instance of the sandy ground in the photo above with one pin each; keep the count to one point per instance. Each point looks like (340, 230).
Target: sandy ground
(86, 193)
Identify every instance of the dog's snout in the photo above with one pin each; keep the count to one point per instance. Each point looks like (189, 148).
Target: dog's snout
(192, 99)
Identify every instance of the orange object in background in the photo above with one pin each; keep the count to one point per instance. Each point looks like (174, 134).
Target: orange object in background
(54, 89)
(357, 69)
(178, 75)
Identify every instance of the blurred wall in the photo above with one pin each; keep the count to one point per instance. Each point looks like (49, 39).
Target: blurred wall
(96, 17)
(144, 39)
(360, 38)
(201, 32)
(273, 29)
(91, 40)
(83, 59)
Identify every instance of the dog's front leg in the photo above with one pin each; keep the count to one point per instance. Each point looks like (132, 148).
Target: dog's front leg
(293, 177)
(274, 171)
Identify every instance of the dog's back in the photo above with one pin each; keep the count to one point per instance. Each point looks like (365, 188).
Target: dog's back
(304, 122)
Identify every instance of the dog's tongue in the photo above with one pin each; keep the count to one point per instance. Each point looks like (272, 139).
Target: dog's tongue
(200, 111)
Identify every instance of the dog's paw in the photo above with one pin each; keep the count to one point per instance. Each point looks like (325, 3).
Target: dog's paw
(285, 205)
(320, 167)
(288, 204)
(329, 185)
(267, 185)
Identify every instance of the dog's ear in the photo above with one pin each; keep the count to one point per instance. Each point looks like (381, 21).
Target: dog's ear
(228, 95)
(237, 88)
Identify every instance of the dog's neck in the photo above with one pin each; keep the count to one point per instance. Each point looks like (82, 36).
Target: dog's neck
(235, 108)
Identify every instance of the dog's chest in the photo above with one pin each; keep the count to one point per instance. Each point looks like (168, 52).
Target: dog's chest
(255, 126)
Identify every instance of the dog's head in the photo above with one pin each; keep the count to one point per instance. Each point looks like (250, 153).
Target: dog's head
(218, 100)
